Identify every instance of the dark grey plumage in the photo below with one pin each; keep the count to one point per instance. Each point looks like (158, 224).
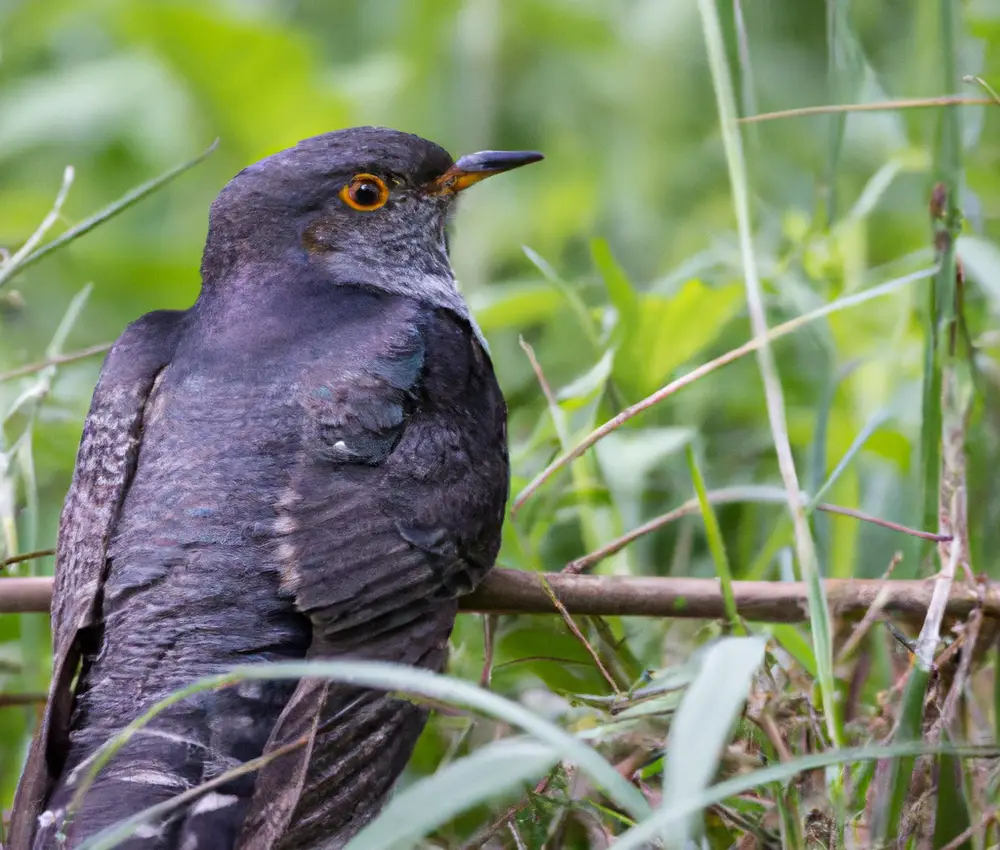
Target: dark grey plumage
(310, 462)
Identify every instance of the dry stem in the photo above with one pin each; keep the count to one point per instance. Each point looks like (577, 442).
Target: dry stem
(518, 592)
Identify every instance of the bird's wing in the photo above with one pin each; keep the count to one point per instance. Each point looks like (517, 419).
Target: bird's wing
(394, 510)
(105, 464)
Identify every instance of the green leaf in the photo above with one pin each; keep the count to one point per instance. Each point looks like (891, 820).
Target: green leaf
(894, 789)
(704, 722)
(672, 330)
(627, 458)
(666, 819)
(791, 640)
(716, 545)
(514, 305)
(623, 296)
(952, 817)
(487, 773)
(591, 383)
(374, 674)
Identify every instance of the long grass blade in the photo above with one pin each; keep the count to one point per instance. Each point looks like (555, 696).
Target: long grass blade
(819, 615)
(127, 200)
(716, 545)
(668, 817)
(396, 678)
(487, 773)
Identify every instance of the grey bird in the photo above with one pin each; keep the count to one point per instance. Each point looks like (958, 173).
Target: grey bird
(308, 463)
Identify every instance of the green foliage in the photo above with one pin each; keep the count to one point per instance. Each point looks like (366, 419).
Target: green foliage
(620, 265)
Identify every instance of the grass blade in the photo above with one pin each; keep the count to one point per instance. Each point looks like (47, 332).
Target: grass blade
(110, 211)
(716, 545)
(876, 421)
(396, 678)
(819, 615)
(704, 722)
(488, 772)
(669, 817)
(17, 260)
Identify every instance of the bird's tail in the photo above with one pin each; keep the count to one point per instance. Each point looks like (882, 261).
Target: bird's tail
(348, 745)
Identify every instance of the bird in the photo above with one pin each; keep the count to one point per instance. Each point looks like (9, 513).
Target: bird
(308, 463)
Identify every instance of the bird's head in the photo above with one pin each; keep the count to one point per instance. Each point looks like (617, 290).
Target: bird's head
(366, 205)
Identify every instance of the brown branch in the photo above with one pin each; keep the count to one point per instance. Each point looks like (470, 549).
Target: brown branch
(22, 595)
(518, 592)
(73, 356)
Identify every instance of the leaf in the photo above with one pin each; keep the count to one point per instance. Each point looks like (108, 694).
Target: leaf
(952, 818)
(667, 817)
(249, 75)
(704, 721)
(514, 305)
(623, 296)
(487, 773)
(671, 330)
(590, 383)
(375, 674)
(627, 457)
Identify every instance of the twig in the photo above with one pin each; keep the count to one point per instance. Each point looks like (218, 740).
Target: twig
(517, 592)
(73, 356)
(489, 632)
(26, 556)
(769, 727)
(971, 637)
(871, 614)
(9, 700)
(572, 626)
(880, 106)
(885, 523)
(705, 369)
(550, 396)
(22, 595)
(726, 496)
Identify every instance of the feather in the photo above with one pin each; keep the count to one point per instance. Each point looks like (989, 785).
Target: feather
(105, 463)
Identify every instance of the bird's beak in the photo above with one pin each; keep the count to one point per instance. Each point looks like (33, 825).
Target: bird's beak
(474, 167)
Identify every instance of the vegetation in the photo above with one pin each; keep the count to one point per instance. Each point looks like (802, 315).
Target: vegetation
(661, 233)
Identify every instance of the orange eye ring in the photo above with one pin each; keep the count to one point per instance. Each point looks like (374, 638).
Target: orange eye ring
(365, 192)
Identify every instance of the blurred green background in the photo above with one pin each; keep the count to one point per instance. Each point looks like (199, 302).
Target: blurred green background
(619, 98)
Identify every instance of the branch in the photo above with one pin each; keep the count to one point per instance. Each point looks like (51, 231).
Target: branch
(518, 592)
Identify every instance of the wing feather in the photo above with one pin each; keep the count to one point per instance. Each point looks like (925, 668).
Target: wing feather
(378, 538)
(105, 463)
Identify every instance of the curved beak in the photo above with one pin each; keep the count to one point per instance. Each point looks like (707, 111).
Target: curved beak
(474, 167)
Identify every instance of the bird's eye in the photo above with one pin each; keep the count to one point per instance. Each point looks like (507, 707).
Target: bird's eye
(365, 192)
